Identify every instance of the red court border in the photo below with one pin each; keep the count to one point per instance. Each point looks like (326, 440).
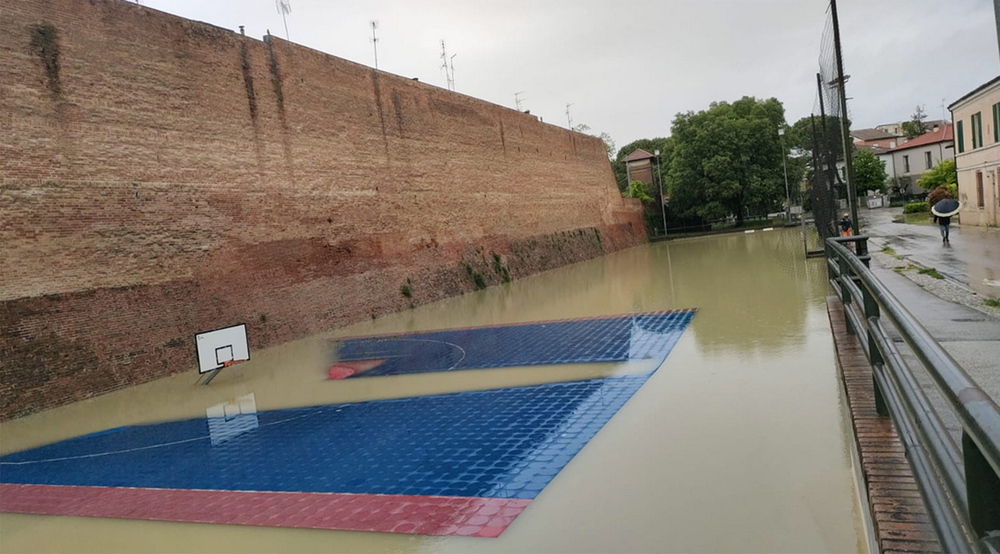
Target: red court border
(387, 513)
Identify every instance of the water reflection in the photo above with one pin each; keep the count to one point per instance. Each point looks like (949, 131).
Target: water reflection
(739, 430)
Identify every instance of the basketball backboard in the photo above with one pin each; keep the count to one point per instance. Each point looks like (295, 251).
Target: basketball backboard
(221, 347)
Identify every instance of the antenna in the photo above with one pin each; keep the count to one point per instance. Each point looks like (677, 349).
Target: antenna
(517, 100)
(569, 119)
(944, 116)
(444, 65)
(452, 61)
(284, 8)
(375, 41)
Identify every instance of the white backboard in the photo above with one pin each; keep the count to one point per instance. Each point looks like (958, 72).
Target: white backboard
(220, 346)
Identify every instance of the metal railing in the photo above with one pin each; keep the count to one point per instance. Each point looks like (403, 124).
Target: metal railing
(960, 485)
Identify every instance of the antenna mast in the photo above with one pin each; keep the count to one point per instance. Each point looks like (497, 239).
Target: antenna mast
(448, 75)
(517, 101)
(569, 118)
(284, 8)
(375, 41)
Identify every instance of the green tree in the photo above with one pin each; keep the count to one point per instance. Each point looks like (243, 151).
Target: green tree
(609, 143)
(869, 172)
(943, 173)
(915, 126)
(726, 160)
(640, 190)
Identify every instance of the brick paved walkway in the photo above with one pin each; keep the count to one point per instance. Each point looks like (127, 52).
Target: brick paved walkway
(896, 507)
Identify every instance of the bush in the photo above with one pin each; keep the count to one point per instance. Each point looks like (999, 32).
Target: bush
(915, 208)
(940, 193)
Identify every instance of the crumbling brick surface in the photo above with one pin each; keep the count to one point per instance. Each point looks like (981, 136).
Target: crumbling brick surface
(160, 177)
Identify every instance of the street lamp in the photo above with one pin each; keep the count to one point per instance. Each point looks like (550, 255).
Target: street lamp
(784, 168)
(659, 179)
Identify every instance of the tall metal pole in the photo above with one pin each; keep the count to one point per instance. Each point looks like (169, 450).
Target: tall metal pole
(375, 42)
(831, 165)
(996, 14)
(784, 168)
(846, 130)
(663, 204)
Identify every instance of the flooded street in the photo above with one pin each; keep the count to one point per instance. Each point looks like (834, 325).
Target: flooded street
(738, 443)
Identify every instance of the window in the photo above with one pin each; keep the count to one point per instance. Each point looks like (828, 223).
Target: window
(977, 130)
(960, 135)
(996, 122)
(927, 158)
(979, 189)
(906, 164)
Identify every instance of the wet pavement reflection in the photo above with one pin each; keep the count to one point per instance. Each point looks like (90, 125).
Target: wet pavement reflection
(971, 257)
(737, 443)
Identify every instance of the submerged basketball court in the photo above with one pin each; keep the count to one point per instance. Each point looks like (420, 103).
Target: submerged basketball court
(586, 409)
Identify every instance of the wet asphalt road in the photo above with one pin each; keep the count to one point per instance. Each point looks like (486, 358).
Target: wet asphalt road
(971, 259)
(970, 337)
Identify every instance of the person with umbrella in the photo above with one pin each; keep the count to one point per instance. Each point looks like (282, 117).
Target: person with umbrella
(943, 211)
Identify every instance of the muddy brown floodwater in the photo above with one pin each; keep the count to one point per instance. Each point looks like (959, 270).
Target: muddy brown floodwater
(738, 443)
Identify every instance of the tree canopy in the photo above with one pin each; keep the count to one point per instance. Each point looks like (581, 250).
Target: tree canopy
(915, 126)
(943, 173)
(727, 159)
(869, 172)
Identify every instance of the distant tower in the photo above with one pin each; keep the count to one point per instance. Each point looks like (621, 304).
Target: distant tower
(569, 118)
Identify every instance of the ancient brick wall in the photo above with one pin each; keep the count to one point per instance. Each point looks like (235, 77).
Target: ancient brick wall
(160, 177)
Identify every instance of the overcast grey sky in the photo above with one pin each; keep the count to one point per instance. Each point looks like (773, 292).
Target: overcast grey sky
(628, 67)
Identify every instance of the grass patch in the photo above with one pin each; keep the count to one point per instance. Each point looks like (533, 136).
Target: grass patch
(479, 281)
(931, 272)
(992, 303)
(890, 251)
(917, 218)
(405, 289)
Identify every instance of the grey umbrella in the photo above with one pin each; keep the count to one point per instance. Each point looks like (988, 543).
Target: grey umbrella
(946, 208)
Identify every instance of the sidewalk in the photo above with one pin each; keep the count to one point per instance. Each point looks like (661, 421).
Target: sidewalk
(952, 309)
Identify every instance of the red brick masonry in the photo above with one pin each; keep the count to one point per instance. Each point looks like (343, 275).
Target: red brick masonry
(895, 504)
(160, 177)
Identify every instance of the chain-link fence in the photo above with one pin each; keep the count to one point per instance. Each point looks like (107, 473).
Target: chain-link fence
(831, 168)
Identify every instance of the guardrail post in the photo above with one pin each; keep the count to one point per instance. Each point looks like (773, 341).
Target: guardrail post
(862, 250)
(982, 485)
(845, 293)
(876, 359)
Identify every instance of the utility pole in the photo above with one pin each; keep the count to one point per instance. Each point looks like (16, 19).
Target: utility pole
(375, 41)
(517, 101)
(852, 193)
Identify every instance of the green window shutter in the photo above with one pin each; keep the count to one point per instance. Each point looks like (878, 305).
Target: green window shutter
(960, 136)
(979, 129)
(996, 122)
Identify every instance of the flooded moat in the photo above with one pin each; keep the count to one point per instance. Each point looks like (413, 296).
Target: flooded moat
(738, 443)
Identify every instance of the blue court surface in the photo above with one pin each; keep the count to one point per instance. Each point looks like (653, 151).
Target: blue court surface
(490, 446)
(608, 339)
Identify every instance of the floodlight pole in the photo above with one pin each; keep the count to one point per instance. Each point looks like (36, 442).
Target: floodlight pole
(663, 203)
(784, 168)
